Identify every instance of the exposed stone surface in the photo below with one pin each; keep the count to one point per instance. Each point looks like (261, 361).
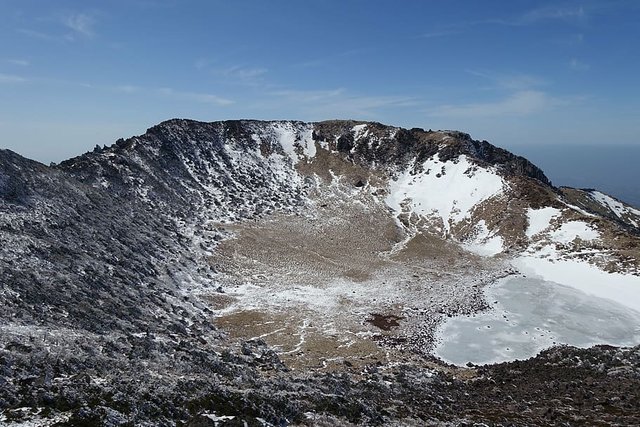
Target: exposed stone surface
(122, 270)
(147, 382)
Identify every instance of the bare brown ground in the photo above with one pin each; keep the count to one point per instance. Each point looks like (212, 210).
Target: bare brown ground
(308, 284)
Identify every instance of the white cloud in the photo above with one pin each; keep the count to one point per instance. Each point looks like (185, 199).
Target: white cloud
(331, 60)
(554, 13)
(237, 73)
(244, 73)
(251, 76)
(80, 23)
(202, 63)
(67, 28)
(19, 62)
(579, 14)
(127, 88)
(39, 35)
(578, 65)
(194, 96)
(306, 96)
(437, 34)
(9, 78)
(338, 102)
(513, 82)
(521, 103)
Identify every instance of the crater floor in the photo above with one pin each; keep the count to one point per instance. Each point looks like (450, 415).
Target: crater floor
(342, 282)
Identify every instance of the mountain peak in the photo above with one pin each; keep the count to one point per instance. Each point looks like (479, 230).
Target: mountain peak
(342, 245)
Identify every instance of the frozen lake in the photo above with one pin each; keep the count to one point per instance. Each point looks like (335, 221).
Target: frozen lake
(529, 315)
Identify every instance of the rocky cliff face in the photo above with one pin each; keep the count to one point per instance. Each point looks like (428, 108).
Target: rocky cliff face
(241, 169)
(186, 163)
(184, 167)
(149, 266)
(78, 256)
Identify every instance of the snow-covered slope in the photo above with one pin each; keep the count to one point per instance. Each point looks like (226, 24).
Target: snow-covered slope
(621, 210)
(222, 171)
(487, 200)
(196, 176)
(77, 256)
(448, 191)
(443, 183)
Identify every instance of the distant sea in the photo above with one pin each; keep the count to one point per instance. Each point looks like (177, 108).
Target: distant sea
(613, 169)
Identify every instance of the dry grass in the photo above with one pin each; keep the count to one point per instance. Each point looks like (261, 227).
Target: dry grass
(308, 284)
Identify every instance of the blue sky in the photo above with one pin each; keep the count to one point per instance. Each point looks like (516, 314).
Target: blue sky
(518, 73)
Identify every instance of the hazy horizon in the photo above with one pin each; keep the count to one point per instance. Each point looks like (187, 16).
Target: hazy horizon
(523, 75)
(610, 169)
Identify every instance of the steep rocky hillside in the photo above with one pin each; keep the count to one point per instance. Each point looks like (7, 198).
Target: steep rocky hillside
(76, 256)
(290, 272)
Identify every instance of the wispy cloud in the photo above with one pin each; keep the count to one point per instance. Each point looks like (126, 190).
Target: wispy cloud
(551, 13)
(305, 96)
(438, 34)
(513, 82)
(577, 14)
(577, 65)
(521, 103)
(40, 35)
(333, 59)
(9, 78)
(80, 23)
(127, 88)
(339, 102)
(233, 73)
(202, 63)
(63, 27)
(570, 40)
(155, 4)
(515, 94)
(205, 98)
(568, 14)
(243, 73)
(18, 62)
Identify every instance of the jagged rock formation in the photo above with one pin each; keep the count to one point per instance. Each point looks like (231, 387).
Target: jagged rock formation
(185, 167)
(133, 277)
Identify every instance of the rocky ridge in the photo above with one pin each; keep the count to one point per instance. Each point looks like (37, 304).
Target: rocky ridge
(110, 262)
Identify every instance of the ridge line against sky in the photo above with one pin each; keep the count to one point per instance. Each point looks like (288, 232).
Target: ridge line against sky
(74, 74)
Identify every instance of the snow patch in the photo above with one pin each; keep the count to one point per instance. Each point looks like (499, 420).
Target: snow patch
(32, 418)
(618, 208)
(293, 139)
(578, 209)
(571, 230)
(360, 131)
(484, 243)
(448, 190)
(540, 219)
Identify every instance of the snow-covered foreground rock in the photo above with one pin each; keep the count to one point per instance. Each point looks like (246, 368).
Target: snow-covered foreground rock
(290, 272)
